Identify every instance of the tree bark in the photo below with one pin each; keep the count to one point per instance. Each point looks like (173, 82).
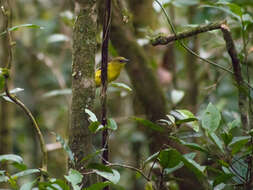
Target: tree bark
(83, 84)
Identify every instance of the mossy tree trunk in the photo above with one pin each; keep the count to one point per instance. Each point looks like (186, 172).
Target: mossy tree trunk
(83, 85)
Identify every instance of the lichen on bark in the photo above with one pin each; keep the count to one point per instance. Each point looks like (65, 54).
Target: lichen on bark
(83, 84)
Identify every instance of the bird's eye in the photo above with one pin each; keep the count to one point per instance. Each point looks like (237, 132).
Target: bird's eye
(121, 61)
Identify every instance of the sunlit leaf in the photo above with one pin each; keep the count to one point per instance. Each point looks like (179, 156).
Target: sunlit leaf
(113, 177)
(28, 186)
(14, 28)
(92, 117)
(57, 38)
(60, 92)
(26, 172)
(74, 177)
(176, 96)
(121, 86)
(11, 157)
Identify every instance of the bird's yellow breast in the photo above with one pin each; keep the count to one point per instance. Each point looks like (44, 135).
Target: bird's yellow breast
(113, 72)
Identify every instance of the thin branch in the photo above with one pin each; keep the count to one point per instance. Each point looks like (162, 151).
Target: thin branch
(179, 37)
(6, 14)
(105, 42)
(31, 117)
(131, 168)
(237, 75)
(164, 40)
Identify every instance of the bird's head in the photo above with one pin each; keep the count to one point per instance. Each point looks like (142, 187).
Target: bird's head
(120, 60)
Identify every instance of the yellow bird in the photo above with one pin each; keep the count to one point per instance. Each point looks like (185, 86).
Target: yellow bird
(113, 70)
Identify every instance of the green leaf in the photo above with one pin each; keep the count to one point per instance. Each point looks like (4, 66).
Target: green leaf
(222, 179)
(28, 186)
(113, 177)
(92, 117)
(193, 146)
(74, 177)
(211, 118)
(66, 147)
(238, 143)
(95, 126)
(217, 141)
(59, 92)
(98, 186)
(121, 86)
(169, 158)
(234, 124)
(100, 167)
(14, 28)
(3, 178)
(11, 157)
(25, 173)
(226, 137)
(149, 124)
(111, 124)
(197, 169)
(189, 118)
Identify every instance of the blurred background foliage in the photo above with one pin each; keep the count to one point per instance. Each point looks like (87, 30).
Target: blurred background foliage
(42, 67)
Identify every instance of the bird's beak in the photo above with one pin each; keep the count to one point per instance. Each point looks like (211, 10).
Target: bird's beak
(126, 60)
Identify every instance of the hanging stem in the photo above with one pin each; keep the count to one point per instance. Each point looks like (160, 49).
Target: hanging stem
(106, 32)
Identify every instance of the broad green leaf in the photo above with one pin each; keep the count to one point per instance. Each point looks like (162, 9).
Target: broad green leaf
(28, 186)
(99, 167)
(121, 86)
(211, 118)
(169, 158)
(92, 117)
(222, 179)
(59, 92)
(11, 157)
(238, 143)
(95, 126)
(111, 124)
(14, 28)
(113, 177)
(13, 91)
(197, 169)
(217, 141)
(25, 173)
(98, 186)
(66, 147)
(74, 177)
(59, 184)
(193, 146)
(149, 124)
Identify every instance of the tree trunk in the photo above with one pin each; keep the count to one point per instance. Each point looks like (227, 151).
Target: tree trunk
(83, 84)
